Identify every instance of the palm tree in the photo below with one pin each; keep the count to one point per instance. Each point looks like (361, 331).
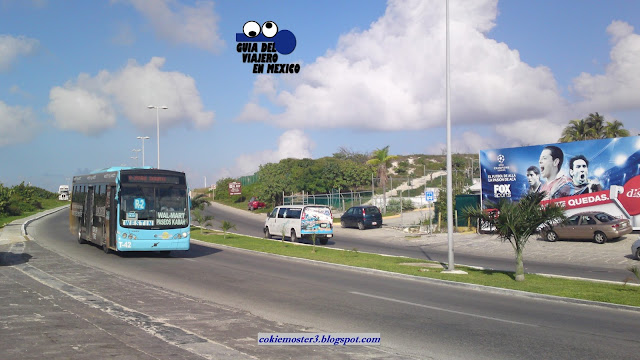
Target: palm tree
(200, 201)
(226, 226)
(595, 123)
(517, 221)
(592, 127)
(576, 131)
(201, 219)
(382, 160)
(615, 129)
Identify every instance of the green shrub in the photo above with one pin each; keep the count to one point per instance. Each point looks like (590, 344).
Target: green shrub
(394, 205)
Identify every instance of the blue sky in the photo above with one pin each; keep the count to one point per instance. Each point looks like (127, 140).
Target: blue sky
(76, 78)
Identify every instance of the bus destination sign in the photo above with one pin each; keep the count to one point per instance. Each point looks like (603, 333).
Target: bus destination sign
(158, 179)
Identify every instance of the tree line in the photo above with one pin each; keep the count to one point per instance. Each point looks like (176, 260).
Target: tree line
(18, 199)
(303, 175)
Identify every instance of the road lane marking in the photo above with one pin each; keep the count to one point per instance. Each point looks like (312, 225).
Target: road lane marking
(442, 309)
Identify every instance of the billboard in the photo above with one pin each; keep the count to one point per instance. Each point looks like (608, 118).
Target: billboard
(235, 188)
(598, 175)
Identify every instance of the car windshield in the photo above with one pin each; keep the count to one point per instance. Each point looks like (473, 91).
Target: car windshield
(604, 217)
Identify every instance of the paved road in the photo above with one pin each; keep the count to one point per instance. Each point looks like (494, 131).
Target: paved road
(211, 301)
(584, 259)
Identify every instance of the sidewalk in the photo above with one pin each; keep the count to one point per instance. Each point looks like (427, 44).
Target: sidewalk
(15, 231)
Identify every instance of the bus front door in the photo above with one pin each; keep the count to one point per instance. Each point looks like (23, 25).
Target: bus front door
(88, 215)
(111, 217)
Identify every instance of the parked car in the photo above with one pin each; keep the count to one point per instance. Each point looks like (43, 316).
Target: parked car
(635, 249)
(254, 203)
(300, 221)
(362, 217)
(595, 225)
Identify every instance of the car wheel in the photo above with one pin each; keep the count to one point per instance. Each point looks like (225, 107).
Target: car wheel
(360, 225)
(324, 241)
(294, 238)
(600, 237)
(342, 224)
(80, 239)
(267, 234)
(638, 253)
(551, 236)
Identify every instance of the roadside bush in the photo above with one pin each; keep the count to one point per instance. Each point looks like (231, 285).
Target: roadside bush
(22, 198)
(394, 205)
(13, 210)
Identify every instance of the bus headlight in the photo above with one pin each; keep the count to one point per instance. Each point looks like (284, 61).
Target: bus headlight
(124, 235)
(184, 234)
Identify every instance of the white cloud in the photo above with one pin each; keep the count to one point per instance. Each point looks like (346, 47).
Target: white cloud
(194, 25)
(18, 124)
(392, 76)
(291, 144)
(90, 104)
(13, 47)
(77, 109)
(619, 87)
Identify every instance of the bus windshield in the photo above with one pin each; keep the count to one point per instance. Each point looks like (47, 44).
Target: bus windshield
(154, 206)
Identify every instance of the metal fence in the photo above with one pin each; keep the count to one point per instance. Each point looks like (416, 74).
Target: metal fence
(398, 190)
(336, 200)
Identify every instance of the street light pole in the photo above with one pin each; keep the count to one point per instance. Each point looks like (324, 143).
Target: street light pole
(136, 150)
(158, 126)
(142, 138)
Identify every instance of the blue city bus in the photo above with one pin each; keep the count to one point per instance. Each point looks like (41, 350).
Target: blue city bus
(131, 209)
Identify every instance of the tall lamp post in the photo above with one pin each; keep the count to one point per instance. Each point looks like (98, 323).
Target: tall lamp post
(143, 139)
(134, 158)
(158, 126)
(137, 157)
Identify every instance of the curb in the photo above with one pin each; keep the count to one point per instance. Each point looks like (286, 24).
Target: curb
(38, 216)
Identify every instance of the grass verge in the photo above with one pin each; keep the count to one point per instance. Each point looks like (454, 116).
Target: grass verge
(47, 204)
(577, 289)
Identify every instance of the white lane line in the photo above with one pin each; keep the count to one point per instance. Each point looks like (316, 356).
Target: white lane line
(441, 309)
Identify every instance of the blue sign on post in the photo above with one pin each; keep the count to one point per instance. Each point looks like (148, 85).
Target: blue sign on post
(428, 195)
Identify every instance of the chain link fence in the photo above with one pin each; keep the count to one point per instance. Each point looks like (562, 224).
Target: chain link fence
(406, 193)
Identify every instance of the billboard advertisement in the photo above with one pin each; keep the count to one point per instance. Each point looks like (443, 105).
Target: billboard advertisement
(598, 175)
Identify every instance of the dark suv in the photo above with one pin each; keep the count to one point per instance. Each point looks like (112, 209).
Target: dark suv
(362, 217)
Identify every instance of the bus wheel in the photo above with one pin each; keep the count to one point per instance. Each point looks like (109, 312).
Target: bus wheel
(105, 248)
(324, 241)
(80, 239)
(294, 238)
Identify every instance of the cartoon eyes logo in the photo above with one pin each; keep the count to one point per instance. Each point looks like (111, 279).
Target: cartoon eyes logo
(252, 29)
(284, 40)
